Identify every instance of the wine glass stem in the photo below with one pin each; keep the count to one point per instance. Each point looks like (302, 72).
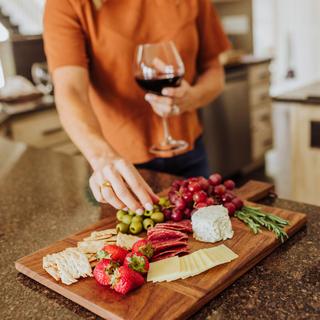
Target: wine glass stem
(166, 131)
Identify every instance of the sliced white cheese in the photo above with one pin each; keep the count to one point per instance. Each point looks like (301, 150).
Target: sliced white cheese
(184, 270)
(190, 265)
(163, 269)
(220, 254)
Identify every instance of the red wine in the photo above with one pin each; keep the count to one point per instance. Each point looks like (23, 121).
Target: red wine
(156, 85)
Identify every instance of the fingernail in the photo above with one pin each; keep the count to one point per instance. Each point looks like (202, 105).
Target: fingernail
(148, 97)
(165, 91)
(125, 209)
(148, 206)
(139, 212)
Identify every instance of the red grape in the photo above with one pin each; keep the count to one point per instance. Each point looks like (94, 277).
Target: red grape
(210, 190)
(187, 213)
(227, 197)
(167, 214)
(204, 183)
(238, 203)
(200, 205)
(229, 184)
(231, 208)
(210, 202)
(177, 183)
(183, 190)
(177, 215)
(200, 196)
(173, 196)
(215, 179)
(185, 184)
(180, 204)
(187, 196)
(220, 189)
(194, 186)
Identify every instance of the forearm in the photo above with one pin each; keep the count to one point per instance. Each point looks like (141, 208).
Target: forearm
(209, 85)
(80, 123)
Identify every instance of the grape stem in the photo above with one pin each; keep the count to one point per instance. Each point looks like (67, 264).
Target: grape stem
(254, 218)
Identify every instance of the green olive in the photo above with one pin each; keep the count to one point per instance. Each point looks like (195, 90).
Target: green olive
(131, 213)
(120, 214)
(148, 223)
(126, 219)
(148, 213)
(135, 227)
(122, 227)
(164, 202)
(136, 219)
(157, 217)
(155, 208)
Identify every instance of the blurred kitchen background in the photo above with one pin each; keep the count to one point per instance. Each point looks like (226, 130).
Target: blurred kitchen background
(266, 125)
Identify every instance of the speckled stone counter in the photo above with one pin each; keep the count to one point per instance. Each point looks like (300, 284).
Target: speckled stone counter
(43, 198)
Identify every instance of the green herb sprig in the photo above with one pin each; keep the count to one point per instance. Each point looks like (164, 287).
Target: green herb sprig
(255, 219)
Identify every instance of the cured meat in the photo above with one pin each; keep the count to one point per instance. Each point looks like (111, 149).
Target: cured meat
(163, 235)
(159, 240)
(167, 245)
(170, 253)
(184, 226)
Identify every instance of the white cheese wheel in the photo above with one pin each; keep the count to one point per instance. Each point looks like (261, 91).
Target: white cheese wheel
(211, 224)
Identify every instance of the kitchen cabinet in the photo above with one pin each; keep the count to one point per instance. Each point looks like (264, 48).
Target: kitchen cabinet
(260, 110)
(296, 153)
(305, 157)
(237, 125)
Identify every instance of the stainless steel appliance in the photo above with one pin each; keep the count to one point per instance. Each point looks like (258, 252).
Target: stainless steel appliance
(226, 124)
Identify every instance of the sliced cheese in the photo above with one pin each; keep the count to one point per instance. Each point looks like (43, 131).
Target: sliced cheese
(200, 266)
(163, 269)
(205, 259)
(220, 254)
(190, 265)
(184, 270)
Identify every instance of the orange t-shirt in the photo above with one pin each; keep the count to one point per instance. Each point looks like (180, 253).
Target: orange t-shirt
(104, 41)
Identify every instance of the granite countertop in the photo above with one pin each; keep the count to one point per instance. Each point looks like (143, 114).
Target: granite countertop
(309, 94)
(43, 199)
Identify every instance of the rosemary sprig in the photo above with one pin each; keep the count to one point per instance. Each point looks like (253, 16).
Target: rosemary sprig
(255, 219)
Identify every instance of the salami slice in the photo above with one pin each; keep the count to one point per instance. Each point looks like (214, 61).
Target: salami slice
(167, 245)
(184, 226)
(174, 228)
(170, 253)
(163, 235)
(158, 241)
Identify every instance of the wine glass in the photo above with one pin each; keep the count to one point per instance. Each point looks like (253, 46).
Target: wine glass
(157, 66)
(41, 78)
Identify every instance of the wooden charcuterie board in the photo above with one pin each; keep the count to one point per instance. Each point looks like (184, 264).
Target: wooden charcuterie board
(167, 300)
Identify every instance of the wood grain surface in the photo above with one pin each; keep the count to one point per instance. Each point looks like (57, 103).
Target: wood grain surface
(168, 300)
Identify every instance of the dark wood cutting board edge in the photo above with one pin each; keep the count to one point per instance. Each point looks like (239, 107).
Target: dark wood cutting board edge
(197, 296)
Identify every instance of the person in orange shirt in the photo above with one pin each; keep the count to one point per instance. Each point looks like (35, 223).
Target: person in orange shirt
(90, 48)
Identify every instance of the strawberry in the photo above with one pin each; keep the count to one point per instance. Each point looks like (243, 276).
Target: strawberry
(113, 252)
(125, 280)
(104, 270)
(143, 246)
(137, 262)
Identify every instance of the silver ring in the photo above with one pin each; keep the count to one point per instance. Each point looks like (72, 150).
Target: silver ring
(175, 110)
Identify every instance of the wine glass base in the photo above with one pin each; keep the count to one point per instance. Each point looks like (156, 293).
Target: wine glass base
(173, 147)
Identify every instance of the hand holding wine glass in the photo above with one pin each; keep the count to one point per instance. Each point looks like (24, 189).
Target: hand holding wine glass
(159, 66)
(174, 100)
